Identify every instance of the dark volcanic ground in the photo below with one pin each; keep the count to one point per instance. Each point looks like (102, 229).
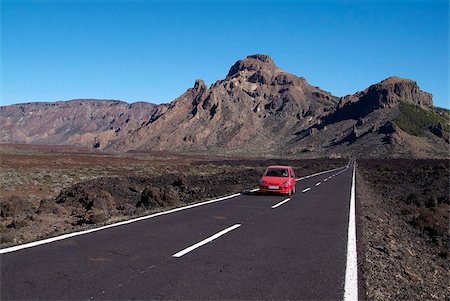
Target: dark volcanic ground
(402, 205)
(110, 199)
(403, 228)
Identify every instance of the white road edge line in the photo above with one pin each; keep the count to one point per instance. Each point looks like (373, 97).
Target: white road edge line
(73, 234)
(317, 184)
(348, 164)
(305, 190)
(351, 270)
(65, 236)
(205, 241)
(281, 203)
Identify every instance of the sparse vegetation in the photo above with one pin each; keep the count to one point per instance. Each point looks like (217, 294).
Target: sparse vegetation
(442, 111)
(32, 177)
(404, 203)
(414, 120)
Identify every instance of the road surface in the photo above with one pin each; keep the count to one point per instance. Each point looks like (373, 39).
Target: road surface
(247, 247)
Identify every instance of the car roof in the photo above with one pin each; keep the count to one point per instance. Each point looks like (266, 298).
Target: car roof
(279, 166)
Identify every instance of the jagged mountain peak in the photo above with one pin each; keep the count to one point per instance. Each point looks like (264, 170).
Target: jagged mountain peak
(396, 80)
(255, 62)
(199, 85)
(260, 69)
(262, 57)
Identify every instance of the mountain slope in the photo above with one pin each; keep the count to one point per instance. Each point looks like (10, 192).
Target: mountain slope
(84, 122)
(256, 104)
(365, 124)
(256, 109)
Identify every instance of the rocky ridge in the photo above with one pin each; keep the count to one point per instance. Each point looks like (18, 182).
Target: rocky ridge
(85, 122)
(257, 108)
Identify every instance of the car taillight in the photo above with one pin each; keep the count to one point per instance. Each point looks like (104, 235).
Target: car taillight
(285, 183)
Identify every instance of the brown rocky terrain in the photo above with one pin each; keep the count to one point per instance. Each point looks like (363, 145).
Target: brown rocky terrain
(50, 190)
(403, 229)
(256, 109)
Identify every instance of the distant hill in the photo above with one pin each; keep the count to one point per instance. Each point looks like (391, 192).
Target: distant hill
(85, 122)
(257, 109)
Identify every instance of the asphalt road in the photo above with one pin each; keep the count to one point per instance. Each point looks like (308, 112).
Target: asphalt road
(296, 250)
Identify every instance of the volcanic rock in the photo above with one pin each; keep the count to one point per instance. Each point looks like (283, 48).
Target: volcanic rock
(257, 109)
(394, 90)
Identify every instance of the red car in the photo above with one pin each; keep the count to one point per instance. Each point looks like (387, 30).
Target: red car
(280, 179)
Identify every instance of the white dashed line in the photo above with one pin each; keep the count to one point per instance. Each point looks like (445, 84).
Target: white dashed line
(317, 184)
(325, 179)
(205, 241)
(305, 190)
(74, 234)
(281, 203)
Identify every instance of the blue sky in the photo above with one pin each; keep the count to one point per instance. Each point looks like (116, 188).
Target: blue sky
(154, 50)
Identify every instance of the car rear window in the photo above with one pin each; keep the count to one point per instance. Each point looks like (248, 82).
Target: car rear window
(277, 172)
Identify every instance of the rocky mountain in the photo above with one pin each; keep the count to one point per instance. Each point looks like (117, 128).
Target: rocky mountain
(256, 109)
(256, 105)
(379, 122)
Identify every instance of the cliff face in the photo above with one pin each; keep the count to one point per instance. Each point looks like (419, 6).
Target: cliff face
(256, 109)
(394, 90)
(388, 93)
